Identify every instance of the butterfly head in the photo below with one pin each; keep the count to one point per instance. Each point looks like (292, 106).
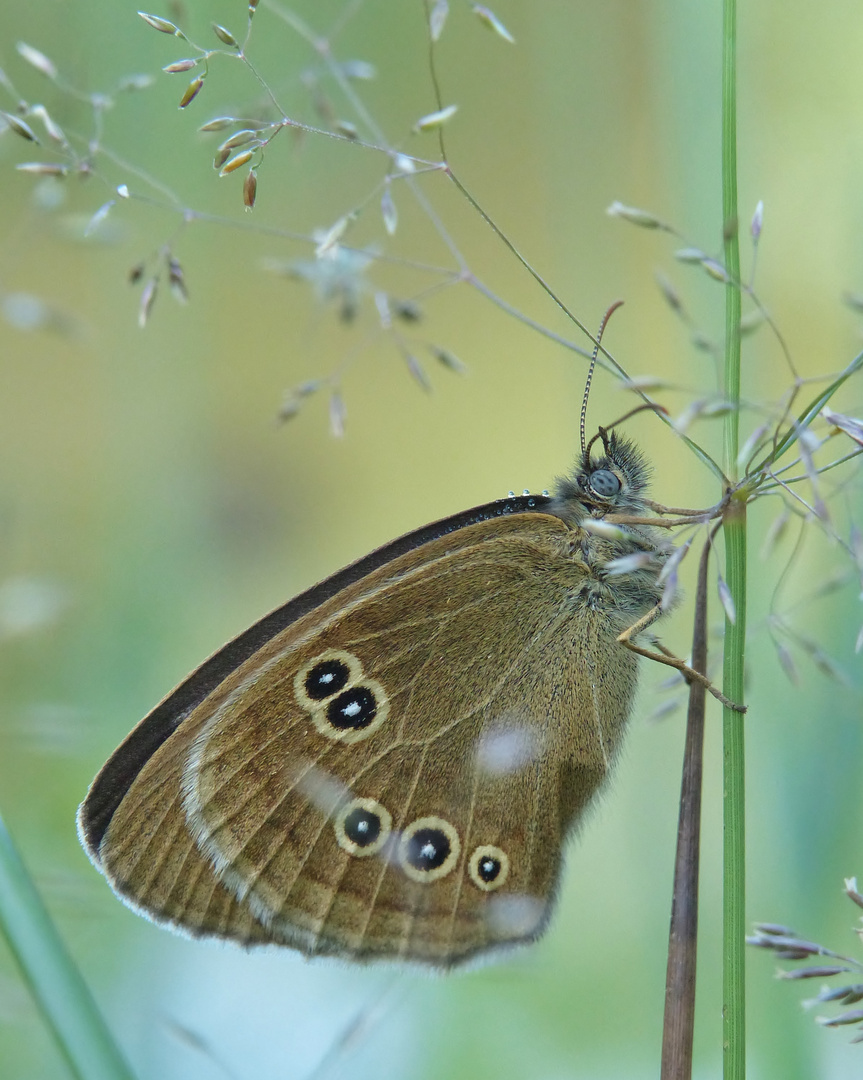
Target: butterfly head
(613, 482)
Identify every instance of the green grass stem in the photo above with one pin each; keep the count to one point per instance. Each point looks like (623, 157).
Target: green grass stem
(734, 851)
(51, 975)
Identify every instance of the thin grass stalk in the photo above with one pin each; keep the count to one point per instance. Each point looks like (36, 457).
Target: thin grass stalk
(734, 850)
(56, 984)
(679, 1021)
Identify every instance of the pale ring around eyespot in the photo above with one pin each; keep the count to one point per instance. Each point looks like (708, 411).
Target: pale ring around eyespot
(428, 849)
(353, 671)
(356, 698)
(370, 824)
(488, 867)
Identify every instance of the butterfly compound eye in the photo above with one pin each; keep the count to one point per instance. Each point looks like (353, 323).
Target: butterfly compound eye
(604, 483)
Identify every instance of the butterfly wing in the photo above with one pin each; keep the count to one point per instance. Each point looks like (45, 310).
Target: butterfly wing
(393, 773)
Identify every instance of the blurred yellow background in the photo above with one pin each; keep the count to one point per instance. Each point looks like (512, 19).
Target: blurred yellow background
(152, 505)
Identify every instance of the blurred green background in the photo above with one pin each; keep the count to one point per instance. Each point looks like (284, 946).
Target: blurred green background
(151, 504)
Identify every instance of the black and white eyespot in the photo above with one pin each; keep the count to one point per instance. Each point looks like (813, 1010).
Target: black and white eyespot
(325, 675)
(363, 826)
(354, 714)
(428, 849)
(604, 483)
(353, 709)
(488, 867)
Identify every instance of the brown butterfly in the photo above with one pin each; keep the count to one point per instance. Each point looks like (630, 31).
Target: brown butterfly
(388, 765)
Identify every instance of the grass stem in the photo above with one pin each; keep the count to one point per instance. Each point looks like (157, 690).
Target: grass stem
(734, 850)
(54, 981)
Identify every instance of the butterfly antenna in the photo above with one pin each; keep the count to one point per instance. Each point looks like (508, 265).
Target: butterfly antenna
(646, 406)
(605, 318)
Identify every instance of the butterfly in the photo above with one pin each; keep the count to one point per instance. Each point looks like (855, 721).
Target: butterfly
(389, 765)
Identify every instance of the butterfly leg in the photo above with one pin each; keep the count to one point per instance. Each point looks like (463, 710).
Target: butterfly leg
(663, 656)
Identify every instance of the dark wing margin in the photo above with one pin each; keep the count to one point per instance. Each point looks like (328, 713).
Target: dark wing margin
(110, 786)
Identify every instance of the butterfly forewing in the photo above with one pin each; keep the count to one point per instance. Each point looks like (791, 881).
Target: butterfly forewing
(392, 774)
